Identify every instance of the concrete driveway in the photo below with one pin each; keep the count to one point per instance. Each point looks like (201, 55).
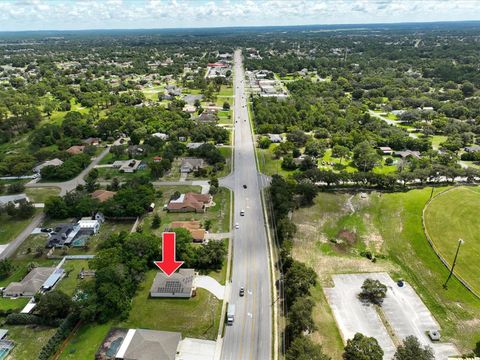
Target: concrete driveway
(210, 284)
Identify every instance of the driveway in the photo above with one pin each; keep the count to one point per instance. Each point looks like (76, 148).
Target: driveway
(13, 245)
(210, 284)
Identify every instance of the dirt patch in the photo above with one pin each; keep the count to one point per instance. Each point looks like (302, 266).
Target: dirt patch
(373, 239)
(347, 236)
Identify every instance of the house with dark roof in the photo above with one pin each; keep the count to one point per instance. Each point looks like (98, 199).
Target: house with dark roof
(408, 153)
(92, 141)
(63, 235)
(190, 202)
(177, 285)
(207, 118)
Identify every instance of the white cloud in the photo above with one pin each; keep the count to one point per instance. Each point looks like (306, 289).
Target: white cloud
(83, 14)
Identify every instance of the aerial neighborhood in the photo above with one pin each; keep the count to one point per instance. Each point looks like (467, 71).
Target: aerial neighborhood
(279, 192)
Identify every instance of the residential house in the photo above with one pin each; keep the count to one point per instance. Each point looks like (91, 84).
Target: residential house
(177, 285)
(194, 227)
(408, 153)
(191, 164)
(190, 202)
(53, 162)
(76, 149)
(472, 149)
(16, 199)
(92, 141)
(160, 135)
(207, 118)
(88, 224)
(386, 150)
(5, 345)
(63, 235)
(128, 166)
(189, 109)
(32, 283)
(173, 90)
(157, 159)
(139, 344)
(194, 145)
(275, 138)
(102, 195)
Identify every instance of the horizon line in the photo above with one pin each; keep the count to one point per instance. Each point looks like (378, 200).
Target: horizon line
(244, 26)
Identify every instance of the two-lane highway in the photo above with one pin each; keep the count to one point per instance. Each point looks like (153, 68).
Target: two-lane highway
(250, 336)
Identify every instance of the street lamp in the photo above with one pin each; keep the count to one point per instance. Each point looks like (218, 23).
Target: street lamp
(460, 242)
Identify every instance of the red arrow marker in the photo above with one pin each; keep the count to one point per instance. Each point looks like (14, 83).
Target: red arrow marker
(168, 264)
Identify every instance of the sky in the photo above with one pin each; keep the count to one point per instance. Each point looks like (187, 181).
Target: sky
(18, 15)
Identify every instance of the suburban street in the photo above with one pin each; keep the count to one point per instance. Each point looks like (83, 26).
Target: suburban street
(250, 336)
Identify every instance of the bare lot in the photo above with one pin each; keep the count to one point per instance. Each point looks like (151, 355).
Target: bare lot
(404, 311)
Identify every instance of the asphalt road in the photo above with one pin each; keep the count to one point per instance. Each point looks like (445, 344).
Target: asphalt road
(14, 244)
(250, 336)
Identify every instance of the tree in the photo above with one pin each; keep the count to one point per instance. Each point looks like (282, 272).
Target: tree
(226, 106)
(54, 305)
(365, 156)
(211, 255)
(264, 142)
(468, 89)
(300, 317)
(362, 347)
(156, 221)
(298, 280)
(25, 210)
(6, 268)
(56, 208)
(373, 291)
(340, 152)
(302, 348)
(412, 349)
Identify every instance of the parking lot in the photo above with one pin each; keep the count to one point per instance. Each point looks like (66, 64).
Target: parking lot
(403, 309)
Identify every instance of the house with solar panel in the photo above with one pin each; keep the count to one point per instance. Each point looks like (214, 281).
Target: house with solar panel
(177, 285)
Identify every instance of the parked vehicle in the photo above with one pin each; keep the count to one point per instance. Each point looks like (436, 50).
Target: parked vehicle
(241, 292)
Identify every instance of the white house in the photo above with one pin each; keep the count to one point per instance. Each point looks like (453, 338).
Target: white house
(87, 223)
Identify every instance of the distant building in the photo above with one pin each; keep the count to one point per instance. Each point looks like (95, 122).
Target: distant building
(33, 282)
(92, 141)
(160, 135)
(127, 166)
(89, 224)
(157, 159)
(408, 153)
(190, 202)
(194, 145)
(275, 138)
(53, 162)
(76, 149)
(386, 150)
(473, 148)
(178, 285)
(16, 199)
(191, 164)
(207, 118)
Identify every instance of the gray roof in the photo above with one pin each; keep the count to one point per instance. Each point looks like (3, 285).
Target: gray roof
(192, 163)
(4, 200)
(194, 145)
(31, 283)
(473, 148)
(178, 284)
(153, 345)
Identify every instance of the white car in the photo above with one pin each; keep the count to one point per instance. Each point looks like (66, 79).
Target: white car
(237, 226)
(242, 212)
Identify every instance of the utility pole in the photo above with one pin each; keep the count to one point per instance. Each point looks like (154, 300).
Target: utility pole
(460, 242)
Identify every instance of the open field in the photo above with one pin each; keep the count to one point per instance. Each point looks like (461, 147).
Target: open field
(85, 342)
(28, 340)
(10, 228)
(39, 195)
(451, 216)
(390, 226)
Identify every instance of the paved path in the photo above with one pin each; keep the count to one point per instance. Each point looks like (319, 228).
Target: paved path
(390, 122)
(210, 284)
(250, 336)
(218, 236)
(13, 245)
(70, 185)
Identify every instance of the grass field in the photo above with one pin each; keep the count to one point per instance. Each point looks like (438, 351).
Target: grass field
(28, 340)
(390, 225)
(10, 228)
(85, 342)
(39, 195)
(196, 317)
(451, 216)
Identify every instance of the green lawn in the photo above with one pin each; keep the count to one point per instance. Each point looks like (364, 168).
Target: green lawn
(268, 164)
(28, 340)
(437, 140)
(13, 304)
(390, 225)
(339, 164)
(85, 342)
(197, 317)
(39, 195)
(10, 228)
(226, 90)
(71, 280)
(451, 216)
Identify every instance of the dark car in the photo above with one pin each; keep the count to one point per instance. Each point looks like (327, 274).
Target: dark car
(244, 186)
(242, 291)
(47, 230)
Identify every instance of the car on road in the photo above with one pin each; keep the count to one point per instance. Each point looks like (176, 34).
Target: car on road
(242, 212)
(237, 226)
(46, 230)
(244, 186)
(241, 292)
